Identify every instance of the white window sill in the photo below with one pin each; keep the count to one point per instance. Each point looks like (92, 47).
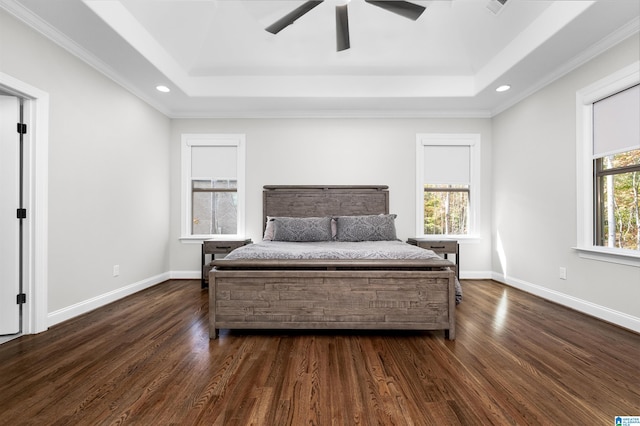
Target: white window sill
(198, 239)
(192, 240)
(611, 255)
(461, 239)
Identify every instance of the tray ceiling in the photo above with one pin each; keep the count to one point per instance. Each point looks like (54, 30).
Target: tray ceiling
(219, 61)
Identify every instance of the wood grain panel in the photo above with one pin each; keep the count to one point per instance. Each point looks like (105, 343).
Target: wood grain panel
(355, 299)
(320, 201)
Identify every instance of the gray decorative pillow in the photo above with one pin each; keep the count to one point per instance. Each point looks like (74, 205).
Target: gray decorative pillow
(301, 229)
(366, 228)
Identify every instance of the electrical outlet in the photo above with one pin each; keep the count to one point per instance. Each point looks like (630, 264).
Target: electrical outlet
(116, 270)
(563, 273)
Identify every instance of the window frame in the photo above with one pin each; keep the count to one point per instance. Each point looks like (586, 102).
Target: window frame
(599, 173)
(214, 190)
(586, 181)
(472, 140)
(210, 140)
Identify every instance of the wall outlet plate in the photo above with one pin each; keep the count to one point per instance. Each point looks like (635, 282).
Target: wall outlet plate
(563, 273)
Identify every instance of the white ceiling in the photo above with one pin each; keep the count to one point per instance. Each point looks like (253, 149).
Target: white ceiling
(220, 62)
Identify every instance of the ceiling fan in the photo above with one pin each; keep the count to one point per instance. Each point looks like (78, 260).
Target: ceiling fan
(403, 8)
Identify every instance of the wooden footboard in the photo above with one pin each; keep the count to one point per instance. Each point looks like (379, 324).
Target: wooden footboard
(332, 299)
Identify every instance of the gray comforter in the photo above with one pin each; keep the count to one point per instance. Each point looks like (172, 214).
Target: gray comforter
(331, 250)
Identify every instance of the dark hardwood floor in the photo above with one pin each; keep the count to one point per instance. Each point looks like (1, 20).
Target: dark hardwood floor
(148, 360)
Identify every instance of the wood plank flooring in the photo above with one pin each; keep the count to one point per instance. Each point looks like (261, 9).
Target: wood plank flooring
(148, 360)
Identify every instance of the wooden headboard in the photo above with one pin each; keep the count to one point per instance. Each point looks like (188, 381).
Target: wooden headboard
(324, 200)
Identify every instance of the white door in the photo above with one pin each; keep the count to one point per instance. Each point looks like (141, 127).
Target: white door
(9, 224)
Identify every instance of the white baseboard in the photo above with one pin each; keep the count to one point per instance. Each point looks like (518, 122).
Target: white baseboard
(601, 312)
(185, 275)
(476, 275)
(5, 339)
(464, 275)
(615, 317)
(96, 302)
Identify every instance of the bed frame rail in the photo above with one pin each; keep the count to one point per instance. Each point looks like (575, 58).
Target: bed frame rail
(332, 299)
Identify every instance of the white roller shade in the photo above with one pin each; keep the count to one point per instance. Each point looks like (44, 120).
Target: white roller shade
(616, 123)
(447, 164)
(214, 161)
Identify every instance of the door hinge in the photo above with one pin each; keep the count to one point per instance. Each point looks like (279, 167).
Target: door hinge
(22, 128)
(21, 299)
(22, 213)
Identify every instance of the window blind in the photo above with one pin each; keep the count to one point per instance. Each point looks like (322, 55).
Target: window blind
(616, 123)
(447, 164)
(214, 161)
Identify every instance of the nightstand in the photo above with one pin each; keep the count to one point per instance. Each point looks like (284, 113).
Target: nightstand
(214, 247)
(443, 247)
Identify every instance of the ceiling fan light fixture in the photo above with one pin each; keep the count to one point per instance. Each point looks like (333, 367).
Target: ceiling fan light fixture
(342, 28)
(495, 6)
(292, 16)
(400, 7)
(503, 88)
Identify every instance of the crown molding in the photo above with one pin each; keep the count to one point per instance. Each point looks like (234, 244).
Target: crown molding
(25, 15)
(22, 13)
(623, 33)
(309, 113)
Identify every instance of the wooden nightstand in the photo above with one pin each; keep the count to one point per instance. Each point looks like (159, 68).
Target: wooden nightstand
(443, 247)
(214, 247)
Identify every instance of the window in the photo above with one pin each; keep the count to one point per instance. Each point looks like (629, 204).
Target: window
(616, 164)
(448, 178)
(608, 164)
(214, 206)
(213, 186)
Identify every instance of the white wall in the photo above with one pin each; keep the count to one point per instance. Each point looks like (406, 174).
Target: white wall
(114, 181)
(333, 151)
(108, 175)
(534, 187)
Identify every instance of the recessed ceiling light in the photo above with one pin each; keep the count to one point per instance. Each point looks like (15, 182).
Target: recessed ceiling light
(503, 88)
(163, 89)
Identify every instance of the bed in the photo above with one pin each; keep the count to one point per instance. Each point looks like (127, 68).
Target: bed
(252, 288)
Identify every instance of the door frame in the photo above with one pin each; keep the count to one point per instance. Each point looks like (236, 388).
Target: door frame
(36, 200)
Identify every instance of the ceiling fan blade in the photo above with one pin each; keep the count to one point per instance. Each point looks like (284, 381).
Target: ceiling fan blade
(292, 16)
(402, 8)
(342, 28)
